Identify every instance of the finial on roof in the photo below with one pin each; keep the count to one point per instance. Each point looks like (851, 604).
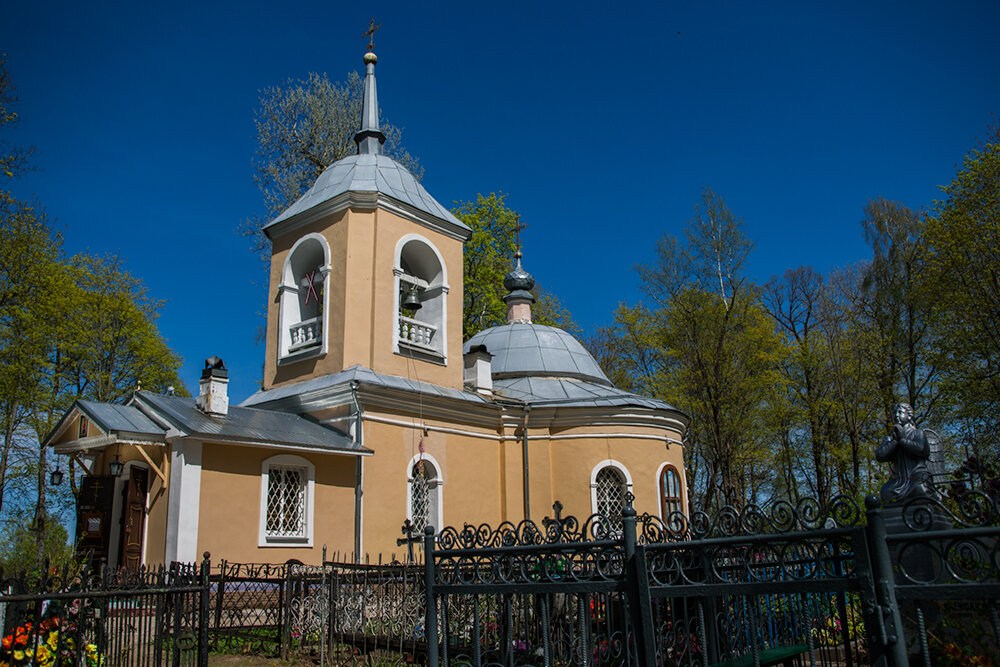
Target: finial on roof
(370, 138)
(519, 284)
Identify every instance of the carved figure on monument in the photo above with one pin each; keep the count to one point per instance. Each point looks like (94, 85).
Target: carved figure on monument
(915, 457)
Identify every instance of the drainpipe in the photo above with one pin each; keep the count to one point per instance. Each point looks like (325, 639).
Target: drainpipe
(524, 454)
(359, 471)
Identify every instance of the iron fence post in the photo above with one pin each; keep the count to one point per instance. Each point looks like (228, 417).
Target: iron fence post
(284, 611)
(220, 593)
(637, 585)
(430, 602)
(206, 566)
(893, 647)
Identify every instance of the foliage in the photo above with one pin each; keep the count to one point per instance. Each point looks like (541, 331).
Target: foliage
(70, 328)
(488, 257)
(962, 281)
(707, 346)
(486, 260)
(13, 158)
(304, 126)
(17, 544)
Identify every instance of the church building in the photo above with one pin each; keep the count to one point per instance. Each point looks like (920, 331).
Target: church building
(372, 410)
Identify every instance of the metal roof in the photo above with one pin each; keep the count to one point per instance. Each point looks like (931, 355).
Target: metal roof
(249, 425)
(536, 350)
(538, 391)
(364, 376)
(111, 417)
(368, 173)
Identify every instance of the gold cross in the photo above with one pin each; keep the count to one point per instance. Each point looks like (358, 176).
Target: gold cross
(370, 33)
(517, 233)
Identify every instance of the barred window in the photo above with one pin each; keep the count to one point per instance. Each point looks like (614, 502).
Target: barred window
(611, 490)
(424, 493)
(286, 501)
(670, 492)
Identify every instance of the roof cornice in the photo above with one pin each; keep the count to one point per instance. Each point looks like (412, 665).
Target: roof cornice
(363, 201)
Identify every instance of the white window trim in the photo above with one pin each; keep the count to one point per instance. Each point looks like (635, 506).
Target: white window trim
(397, 271)
(681, 486)
(287, 290)
(437, 485)
(607, 463)
(287, 460)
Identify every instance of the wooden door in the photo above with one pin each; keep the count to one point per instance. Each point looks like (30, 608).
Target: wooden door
(133, 519)
(92, 517)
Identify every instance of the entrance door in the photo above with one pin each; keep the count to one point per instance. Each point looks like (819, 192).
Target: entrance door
(93, 517)
(133, 519)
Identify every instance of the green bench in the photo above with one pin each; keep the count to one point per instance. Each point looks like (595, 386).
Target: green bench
(783, 655)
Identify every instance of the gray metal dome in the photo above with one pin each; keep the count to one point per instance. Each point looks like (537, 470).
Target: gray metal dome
(536, 350)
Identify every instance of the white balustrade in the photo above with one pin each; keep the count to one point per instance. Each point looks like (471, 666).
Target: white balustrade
(307, 333)
(416, 333)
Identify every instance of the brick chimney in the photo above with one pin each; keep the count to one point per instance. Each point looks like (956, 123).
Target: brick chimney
(213, 389)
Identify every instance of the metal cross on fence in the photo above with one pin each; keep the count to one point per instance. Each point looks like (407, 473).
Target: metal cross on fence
(557, 508)
(410, 539)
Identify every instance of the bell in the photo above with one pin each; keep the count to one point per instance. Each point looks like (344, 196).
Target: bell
(412, 300)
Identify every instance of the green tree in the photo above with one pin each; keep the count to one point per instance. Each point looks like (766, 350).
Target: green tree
(69, 328)
(17, 550)
(488, 257)
(893, 309)
(13, 158)
(304, 126)
(706, 345)
(962, 281)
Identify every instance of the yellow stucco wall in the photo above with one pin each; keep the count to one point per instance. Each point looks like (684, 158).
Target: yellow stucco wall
(361, 299)
(229, 505)
(483, 478)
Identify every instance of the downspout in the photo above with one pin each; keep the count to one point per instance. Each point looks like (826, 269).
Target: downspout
(359, 471)
(524, 454)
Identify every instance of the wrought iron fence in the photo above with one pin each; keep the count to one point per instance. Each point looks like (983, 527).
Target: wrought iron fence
(821, 585)
(153, 616)
(356, 613)
(810, 584)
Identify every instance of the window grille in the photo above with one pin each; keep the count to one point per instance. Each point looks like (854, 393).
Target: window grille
(286, 502)
(420, 505)
(611, 497)
(670, 492)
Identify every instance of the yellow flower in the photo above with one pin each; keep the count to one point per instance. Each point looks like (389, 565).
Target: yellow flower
(53, 640)
(19, 655)
(43, 652)
(90, 648)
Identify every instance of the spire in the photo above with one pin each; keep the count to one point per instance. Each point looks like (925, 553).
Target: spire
(370, 138)
(519, 298)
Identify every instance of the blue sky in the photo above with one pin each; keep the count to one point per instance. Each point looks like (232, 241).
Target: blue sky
(602, 122)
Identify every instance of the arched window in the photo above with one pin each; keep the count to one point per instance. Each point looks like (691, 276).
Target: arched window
(671, 499)
(421, 289)
(424, 494)
(609, 484)
(286, 501)
(302, 294)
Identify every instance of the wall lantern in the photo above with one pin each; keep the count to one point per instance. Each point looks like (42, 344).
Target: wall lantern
(115, 467)
(56, 476)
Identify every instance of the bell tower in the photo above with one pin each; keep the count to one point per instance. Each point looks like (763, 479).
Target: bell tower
(366, 269)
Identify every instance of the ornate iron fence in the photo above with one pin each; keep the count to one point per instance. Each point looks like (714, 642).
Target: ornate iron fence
(811, 584)
(353, 613)
(837, 585)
